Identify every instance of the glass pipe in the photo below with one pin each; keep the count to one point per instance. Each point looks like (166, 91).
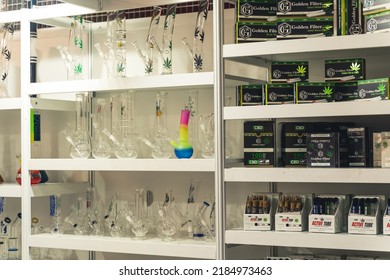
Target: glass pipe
(115, 57)
(100, 148)
(139, 221)
(147, 54)
(166, 50)
(201, 219)
(94, 212)
(196, 51)
(206, 124)
(35, 175)
(76, 218)
(190, 221)
(55, 214)
(192, 105)
(112, 219)
(183, 148)
(6, 36)
(166, 227)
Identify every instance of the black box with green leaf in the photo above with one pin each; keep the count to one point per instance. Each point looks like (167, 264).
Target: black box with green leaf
(259, 143)
(247, 95)
(305, 8)
(256, 9)
(345, 69)
(314, 92)
(322, 150)
(362, 89)
(279, 94)
(284, 71)
(359, 147)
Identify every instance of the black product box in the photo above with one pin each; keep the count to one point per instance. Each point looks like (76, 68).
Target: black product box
(255, 31)
(359, 147)
(342, 129)
(256, 10)
(314, 92)
(285, 71)
(259, 143)
(279, 94)
(322, 150)
(305, 8)
(295, 28)
(345, 69)
(374, 89)
(378, 22)
(354, 20)
(249, 95)
(294, 143)
(370, 6)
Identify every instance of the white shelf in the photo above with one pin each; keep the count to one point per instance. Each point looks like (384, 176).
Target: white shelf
(145, 83)
(308, 175)
(338, 241)
(191, 165)
(10, 16)
(52, 104)
(325, 47)
(48, 189)
(14, 103)
(153, 246)
(334, 109)
(10, 190)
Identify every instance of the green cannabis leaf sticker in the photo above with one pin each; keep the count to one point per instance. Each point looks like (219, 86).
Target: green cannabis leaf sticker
(355, 66)
(327, 5)
(329, 154)
(327, 27)
(78, 69)
(301, 69)
(377, 145)
(266, 141)
(385, 145)
(382, 88)
(167, 64)
(327, 91)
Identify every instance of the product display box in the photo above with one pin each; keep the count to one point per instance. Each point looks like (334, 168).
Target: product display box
(259, 143)
(345, 69)
(373, 89)
(377, 22)
(289, 71)
(294, 143)
(385, 149)
(370, 6)
(256, 10)
(255, 31)
(275, 94)
(292, 212)
(359, 151)
(305, 8)
(329, 213)
(260, 211)
(365, 215)
(377, 149)
(322, 150)
(350, 18)
(386, 218)
(249, 95)
(306, 27)
(314, 92)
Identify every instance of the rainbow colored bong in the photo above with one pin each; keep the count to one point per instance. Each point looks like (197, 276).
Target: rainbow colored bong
(183, 148)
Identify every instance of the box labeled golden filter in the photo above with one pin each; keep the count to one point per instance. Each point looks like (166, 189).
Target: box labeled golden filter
(255, 31)
(306, 8)
(289, 71)
(365, 215)
(305, 27)
(328, 213)
(314, 92)
(345, 69)
(370, 6)
(353, 20)
(377, 22)
(292, 212)
(249, 95)
(256, 10)
(373, 89)
(260, 211)
(279, 94)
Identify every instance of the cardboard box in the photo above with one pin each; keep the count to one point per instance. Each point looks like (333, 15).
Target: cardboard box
(314, 92)
(249, 95)
(372, 6)
(294, 143)
(323, 150)
(259, 143)
(385, 149)
(350, 17)
(279, 94)
(306, 8)
(373, 89)
(345, 69)
(386, 218)
(358, 147)
(261, 220)
(294, 28)
(377, 22)
(255, 31)
(377, 149)
(289, 71)
(256, 10)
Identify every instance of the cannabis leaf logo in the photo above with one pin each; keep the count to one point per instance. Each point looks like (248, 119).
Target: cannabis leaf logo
(201, 36)
(198, 62)
(382, 88)
(266, 140)
(170, 45)
(120, 68)
(385, 145)
(327, 5)
(167, 64)
(327, 27)
(377, 145)
(78, 69)
(78, 42)
(355, 66)
(329, 154)
(301, 70)
(311, 145)
(328, 91)
(4, 76)
(7, 54)
(149, 67)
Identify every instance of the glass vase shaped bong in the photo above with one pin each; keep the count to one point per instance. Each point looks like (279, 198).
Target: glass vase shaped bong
(140, 224)
(206, 124)
(78, 139)
(73, 53)
(6, 34)
(147, 54)
(196, 51)
(101, 149)
(115, 56)
(182, 147)
(166, 227)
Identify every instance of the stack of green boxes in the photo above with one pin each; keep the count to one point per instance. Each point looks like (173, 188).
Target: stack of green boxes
(376, 15)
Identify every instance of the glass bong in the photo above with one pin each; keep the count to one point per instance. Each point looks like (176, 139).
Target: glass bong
(100, 148)
(183, 148)
(6, 35)
(206, 123)
(78, 139)
(140, 224)
(196, 51)
(76, 217)
(115, 57)
(166, 227)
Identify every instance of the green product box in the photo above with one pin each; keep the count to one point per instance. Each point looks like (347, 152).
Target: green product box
(294, 28)
(377, 22)
(259, 143)
(256, 9)
(350, 19)
(314, 92)
(289, 71)
(358, 147)
(255, 31)
(322, 150)
(371, 6)
(364, 89)
(248, 95)
(345, 69)
(279, 94)
(305, 8)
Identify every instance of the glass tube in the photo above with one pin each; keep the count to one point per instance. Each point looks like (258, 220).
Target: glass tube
(6, 36)
(101, 148)
(166, 51)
